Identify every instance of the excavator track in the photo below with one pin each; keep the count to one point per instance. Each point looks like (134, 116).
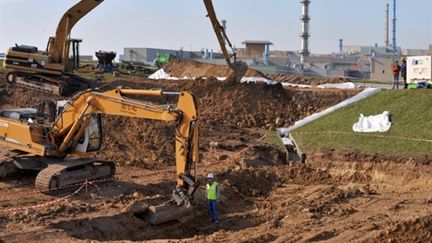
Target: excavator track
(59, 85)
(72, 172)
(7, 167)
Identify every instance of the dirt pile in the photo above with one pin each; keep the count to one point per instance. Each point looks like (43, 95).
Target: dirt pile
(222, 107)
(355, 155)
(414, 230)
(248, 105)
(194, 69)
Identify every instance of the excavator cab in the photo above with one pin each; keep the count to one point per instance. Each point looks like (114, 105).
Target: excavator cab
(91, 140)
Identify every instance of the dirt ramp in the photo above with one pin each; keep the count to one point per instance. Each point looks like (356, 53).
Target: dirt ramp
(193, 69)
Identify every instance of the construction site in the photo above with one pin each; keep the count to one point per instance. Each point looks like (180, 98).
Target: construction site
(123, 152)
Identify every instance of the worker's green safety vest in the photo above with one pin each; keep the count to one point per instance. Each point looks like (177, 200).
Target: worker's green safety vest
(212, 191)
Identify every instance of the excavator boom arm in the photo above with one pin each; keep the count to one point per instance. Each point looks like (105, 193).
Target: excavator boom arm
(219, 31)
(58, 47)
(69, 126)
(239, 67)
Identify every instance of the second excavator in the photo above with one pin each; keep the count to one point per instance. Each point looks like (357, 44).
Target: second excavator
(238, 67)
(52, 70)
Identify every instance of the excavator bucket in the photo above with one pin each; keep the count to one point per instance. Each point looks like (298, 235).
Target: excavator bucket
(239, 69)
(159, 214)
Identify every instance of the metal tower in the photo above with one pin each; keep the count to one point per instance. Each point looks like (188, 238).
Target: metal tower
(305, 18)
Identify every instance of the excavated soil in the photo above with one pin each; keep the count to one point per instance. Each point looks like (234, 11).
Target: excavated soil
(223, 108)
(263, 198)
(193, 69)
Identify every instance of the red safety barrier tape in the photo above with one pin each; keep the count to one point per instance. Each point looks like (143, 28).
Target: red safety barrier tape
(42, 205)
(35, 191)
(232, 159)
(236, 155)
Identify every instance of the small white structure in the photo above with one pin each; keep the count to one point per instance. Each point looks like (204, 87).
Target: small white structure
(419, 69)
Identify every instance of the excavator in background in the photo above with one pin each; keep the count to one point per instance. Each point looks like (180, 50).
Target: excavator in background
(52, 70)
(239, 67)
(57, 139)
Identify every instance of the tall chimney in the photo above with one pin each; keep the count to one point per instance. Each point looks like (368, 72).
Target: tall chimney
(387, 28)
(224, 24)
(394, 28)
(305, 30)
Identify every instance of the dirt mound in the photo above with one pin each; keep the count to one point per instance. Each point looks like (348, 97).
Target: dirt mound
(414, 230)
(355, 155)
(222, 107)
(298, 79)
(193, 69)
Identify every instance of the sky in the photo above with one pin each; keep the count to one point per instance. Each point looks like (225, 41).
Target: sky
(175, 24)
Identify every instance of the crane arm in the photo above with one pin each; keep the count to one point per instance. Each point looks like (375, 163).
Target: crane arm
(58, 46)
(70, 125)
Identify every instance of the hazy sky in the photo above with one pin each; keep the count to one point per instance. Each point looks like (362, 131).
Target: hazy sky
(182, 23)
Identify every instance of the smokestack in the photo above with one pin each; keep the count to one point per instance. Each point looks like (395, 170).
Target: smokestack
(305, 30)
(394, 28)
(340, 46)
(224, 24)
(387, 28)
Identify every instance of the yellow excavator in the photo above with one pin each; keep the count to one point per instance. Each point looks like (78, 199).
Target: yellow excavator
(57, 139)
(52, 70)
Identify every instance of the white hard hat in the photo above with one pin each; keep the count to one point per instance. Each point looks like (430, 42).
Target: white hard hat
(210, 176)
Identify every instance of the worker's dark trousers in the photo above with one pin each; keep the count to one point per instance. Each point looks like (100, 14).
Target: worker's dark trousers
(213, 210)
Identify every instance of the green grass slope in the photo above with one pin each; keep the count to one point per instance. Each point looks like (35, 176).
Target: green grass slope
(411, 116)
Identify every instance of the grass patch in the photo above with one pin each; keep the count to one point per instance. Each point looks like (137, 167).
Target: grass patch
(273, 139)
(411, 116)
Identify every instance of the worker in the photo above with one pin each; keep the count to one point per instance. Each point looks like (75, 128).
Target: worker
(403, 70)
(213, 193)
(395, 71)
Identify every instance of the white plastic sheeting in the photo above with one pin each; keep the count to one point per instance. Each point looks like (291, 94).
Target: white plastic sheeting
(346, 85)
(377, 123)
(161, 74)
(362, 95)
(257, 80)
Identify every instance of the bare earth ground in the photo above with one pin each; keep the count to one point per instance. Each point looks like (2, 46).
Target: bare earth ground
(263, 198)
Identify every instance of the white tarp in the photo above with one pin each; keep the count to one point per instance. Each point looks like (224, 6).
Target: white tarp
(362, 95)
(161, 74)
(257, 79)
(346, 85)
(377, 123)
